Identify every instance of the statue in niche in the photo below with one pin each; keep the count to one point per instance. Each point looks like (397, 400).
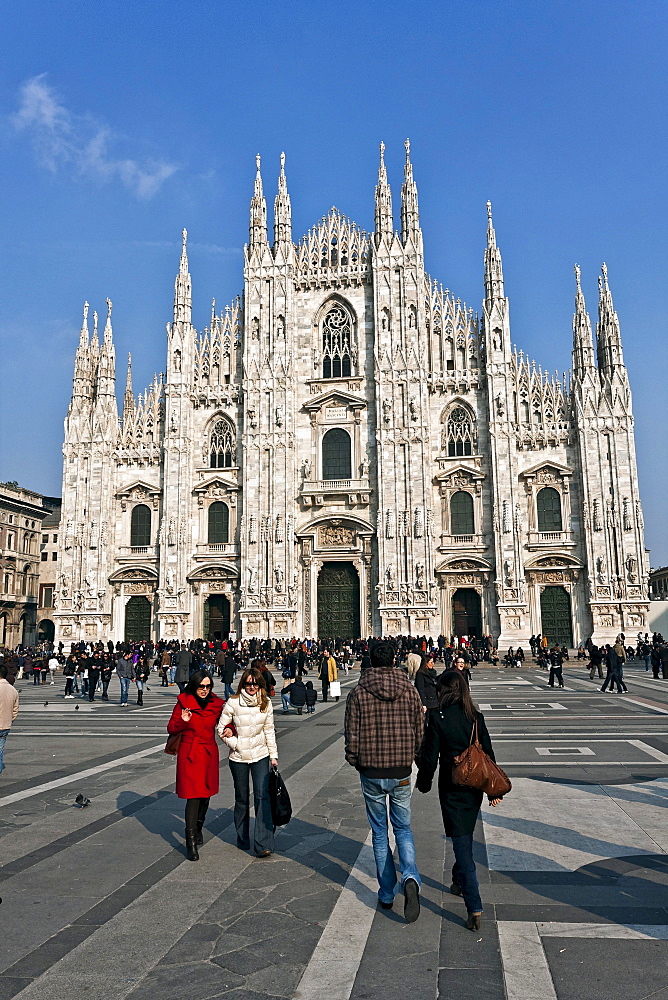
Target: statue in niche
(419, 576)
(597, 515)
(278, 576)
(171, 532)
(255, 328)
(500, 405)
(600, 569)
(280, 327)
(252, 419)
(177, 361)
(173, 423)
(252, 574)
(364, 468)
(89, 580)
(64, 585)
(631, 568)
(78, 599)
(412, 408)
(279, 416)
(306, 469)
(169, 580)
(627, 515)
(508, 573)
(387, 410)
(391, 581)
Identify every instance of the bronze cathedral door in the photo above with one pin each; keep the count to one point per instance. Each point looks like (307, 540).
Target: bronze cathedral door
(555, 616)
(338, 601)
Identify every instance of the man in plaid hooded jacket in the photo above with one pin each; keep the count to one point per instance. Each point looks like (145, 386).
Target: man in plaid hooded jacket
(384, 726)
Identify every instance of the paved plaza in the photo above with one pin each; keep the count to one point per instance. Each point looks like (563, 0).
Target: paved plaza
(100, 903)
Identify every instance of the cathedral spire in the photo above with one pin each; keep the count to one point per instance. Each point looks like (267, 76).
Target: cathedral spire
(129, 398)
(258, 212)
(183, 300)
(83, 335)
(82, 385)
(583, 348)
(107, 325)
(410, 215)
(282, 211)
(384, 221)
(95, 340)
(105, 379)
(608, 335)
(493, 264)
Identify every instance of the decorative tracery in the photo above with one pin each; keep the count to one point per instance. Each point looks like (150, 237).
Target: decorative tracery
(337, 351)
(222, 445)
(458, 436)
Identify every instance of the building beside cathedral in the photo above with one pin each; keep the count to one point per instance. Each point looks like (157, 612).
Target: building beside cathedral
(349, 450)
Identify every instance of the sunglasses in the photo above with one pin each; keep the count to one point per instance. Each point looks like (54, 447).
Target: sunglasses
(204, 687)
(251, 684)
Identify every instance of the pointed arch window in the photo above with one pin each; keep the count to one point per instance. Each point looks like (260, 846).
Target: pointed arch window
(459, 432)
(219, 523)
(548, 507)
(222, 445)
(337, 347)
(140, 525)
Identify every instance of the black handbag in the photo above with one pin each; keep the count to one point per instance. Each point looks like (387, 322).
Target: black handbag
(281, 807)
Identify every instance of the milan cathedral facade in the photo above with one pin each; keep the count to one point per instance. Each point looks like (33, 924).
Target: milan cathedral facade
(349, 450)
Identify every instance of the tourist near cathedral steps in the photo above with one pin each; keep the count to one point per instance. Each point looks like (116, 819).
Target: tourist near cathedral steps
(352, 451)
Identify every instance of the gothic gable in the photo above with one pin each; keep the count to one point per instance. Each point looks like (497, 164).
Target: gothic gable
(137, 492)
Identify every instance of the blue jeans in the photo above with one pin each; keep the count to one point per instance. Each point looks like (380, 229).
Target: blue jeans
(376, 793)
(125, 688)
(229, 691)
(4, 733)
(285, 701)
(464, 872)
(264, 824)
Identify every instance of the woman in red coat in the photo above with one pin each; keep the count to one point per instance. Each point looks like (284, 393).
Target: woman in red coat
(195, 716)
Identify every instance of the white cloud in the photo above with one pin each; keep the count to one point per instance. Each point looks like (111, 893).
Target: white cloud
(64, 140)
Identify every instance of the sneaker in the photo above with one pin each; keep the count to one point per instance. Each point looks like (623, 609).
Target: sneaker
(411, 900)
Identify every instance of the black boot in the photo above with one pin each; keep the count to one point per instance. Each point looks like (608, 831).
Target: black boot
(201, 816)
(191, 845)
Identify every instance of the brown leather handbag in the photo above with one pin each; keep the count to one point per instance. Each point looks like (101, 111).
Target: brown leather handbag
(172, 744)
(476, 769)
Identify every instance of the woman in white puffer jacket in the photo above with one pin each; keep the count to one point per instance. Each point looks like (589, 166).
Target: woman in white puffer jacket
(246, 725)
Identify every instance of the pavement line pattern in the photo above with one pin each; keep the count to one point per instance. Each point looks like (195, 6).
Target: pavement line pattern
(638, 932)
(330, 975)
(657, 754)
(218, 868)
(525, 969)
(70, 778)
(647, 704)
(549, 827)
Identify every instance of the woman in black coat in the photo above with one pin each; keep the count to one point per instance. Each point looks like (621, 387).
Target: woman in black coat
(448, 734)
(425, 683)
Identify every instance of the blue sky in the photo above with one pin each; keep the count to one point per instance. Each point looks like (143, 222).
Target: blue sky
(122, 123)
